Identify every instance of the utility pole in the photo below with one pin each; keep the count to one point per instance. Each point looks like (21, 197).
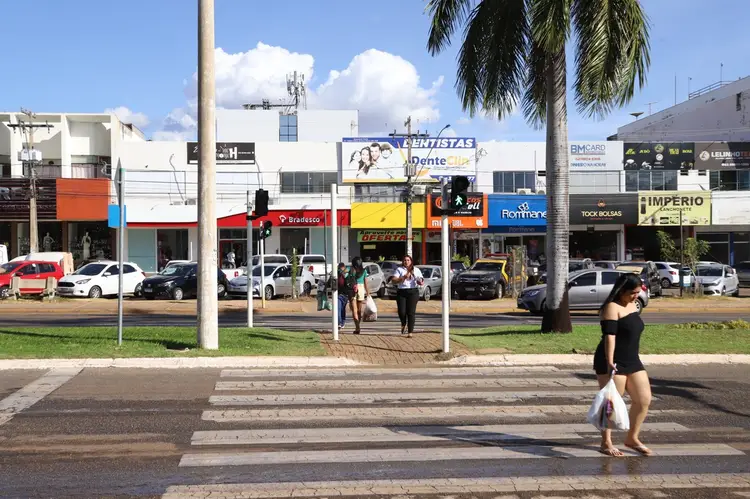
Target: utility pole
(249, 262)
(208, 313)
(30, 159)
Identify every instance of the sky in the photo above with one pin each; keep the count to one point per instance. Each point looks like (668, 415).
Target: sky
(138, 58)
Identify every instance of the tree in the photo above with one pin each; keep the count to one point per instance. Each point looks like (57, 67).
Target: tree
(295, 269)
(513, 52)
(692, 250)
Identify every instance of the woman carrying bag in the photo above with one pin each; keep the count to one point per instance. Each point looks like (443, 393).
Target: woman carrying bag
(358, 280)
(409, 279)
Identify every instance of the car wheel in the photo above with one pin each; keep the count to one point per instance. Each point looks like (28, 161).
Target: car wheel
(138, 291)
(306, 289)
(736, 293)
(178, 294)
(95, 292)
(723, 291)
(638, 306)
(149, 297)
(221, 290)
(427, 294)
(666, 283)
(499, 291)
(4, 292)
(381, 291)
(269, 293)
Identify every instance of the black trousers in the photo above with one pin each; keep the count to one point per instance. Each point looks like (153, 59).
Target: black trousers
(406, 301)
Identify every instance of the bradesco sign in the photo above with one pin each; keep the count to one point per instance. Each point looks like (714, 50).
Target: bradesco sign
(517, 210)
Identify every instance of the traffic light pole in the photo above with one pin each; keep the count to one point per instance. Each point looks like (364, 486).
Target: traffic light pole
(446, 267)
(262, 269)
(334, 264)
(249, 263)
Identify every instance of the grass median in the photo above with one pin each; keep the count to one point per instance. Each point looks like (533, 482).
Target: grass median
(101, 342)
(656, 339)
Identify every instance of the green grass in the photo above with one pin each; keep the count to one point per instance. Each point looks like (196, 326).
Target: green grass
(657, 339)
(100, 342)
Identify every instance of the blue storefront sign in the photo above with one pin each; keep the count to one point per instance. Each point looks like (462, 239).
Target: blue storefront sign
(517, 213)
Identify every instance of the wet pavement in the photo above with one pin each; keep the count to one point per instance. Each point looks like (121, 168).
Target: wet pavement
(429, 432)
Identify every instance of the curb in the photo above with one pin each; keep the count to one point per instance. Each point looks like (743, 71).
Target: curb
(179, 363)
(572, 359)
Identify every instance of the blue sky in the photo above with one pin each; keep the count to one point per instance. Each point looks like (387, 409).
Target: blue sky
(90, 55)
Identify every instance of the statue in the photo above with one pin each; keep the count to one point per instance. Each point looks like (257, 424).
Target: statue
(86, 243)
(47, 242)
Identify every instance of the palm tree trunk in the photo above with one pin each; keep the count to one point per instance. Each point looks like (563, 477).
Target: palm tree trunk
(557, 313)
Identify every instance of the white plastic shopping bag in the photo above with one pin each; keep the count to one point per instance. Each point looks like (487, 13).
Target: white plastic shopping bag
(370, 312)
(608, 412)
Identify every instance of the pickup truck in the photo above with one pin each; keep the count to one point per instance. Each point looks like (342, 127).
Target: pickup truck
(318, 263)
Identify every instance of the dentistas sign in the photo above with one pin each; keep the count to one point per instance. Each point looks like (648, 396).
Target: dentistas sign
(590, 209)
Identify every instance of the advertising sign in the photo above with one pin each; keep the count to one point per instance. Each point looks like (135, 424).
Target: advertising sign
(660, 208)
(472, 216)
(727, 208)
(291, 218)
(659, 155)
(387, 236)
(722, 155)
(226, 153)
(596, 155)
(15, 195)
(517, 210)
(382, 159)
(590, 209)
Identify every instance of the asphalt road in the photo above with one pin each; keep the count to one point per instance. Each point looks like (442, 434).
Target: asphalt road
(146, 433)
(321, 322)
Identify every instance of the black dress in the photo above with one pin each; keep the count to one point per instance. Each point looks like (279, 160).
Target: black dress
(627, 332)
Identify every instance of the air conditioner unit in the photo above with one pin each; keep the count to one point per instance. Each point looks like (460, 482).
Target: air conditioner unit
(541, 191)
(523, 191)
(420, 190)
(191, 202)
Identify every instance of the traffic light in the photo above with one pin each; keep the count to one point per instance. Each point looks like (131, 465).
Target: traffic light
(261, 203)
(459, 196)
(265, 229)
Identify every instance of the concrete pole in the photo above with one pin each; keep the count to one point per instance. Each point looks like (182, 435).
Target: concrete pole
(334, 263)
(249, 264)
(262, 269)
(120, 247)
(446, 268)
(409, 192)
(208, 309)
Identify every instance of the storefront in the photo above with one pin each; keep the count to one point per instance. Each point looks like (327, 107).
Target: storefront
(516, 220)
(464, 224)
(379, 231)
(662, 211)
(597, 225)
(729, 232)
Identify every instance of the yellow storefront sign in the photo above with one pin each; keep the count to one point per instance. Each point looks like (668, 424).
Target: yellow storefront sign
(660, 208)
(386, 215)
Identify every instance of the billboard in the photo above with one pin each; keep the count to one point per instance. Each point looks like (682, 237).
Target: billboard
(660, 208)
(15, 195)
(517, 210)
(382, 159)
(226, 153)
(387, 236)
(722, 155)
(599, 209)
(596, 155)
(659, 155)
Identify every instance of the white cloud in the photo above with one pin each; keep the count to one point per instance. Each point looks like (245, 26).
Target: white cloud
(463, 121)
(383, 87)
(450, 132)
(127, 116)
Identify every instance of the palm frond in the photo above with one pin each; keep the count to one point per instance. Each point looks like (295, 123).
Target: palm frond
(550, 23)
(612, 52)
(535, 97)
(492, 59)
(446, 15)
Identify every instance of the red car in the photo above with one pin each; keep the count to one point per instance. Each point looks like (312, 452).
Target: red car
(36, 271)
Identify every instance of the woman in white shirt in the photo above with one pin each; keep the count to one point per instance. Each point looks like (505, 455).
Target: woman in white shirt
(408, 278)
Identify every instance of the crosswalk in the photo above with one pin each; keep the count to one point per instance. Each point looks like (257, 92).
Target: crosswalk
(511, 432)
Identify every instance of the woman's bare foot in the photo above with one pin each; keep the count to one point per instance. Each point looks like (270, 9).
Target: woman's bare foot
(638, 447)
(610, 450)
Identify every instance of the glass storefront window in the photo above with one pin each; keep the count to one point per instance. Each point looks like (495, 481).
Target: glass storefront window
(50, 236)
(597, 245)
(294, 238)
(89, 241)
(5, 236)
(235, 241)
(172, 244)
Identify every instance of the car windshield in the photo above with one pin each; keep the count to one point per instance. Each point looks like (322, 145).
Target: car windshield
(426, 273)
(91, 269)
(457, 265)
(389, 265)
(491, 266)
(176, 270)
(267, 270)
(710, 271)
(9, 267)
(575, 266)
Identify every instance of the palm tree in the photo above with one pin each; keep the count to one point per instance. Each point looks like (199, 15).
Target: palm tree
(513, 52)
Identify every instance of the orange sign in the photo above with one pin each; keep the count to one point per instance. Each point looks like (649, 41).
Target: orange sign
(471, 217)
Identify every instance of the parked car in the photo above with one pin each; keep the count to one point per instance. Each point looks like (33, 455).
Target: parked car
(102, 278)
(669, 273)
(63, 259)
(430, 288)
(278, 281)
(34, 274)
(606, 264)
(180, 281)
(457, 266)
(487, 278)
(718, 280)
(743, 273)
(273, 258)
(574, 265)
(375, 279)
(649, 275)
(587, 290)
(389, 268)
(318, 263)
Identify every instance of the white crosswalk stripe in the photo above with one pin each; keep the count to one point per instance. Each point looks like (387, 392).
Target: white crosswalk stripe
(411, 421)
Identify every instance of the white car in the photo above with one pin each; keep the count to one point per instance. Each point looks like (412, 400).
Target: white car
(278, 282)
(669, 273)
(718, 280)
(101, 278)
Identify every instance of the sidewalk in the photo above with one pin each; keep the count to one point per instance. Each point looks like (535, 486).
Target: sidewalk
(308, 305)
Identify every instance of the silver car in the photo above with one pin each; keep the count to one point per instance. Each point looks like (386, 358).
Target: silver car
(278, 281)
(430, 288)
(743, 273)
(718, 280)
(587, 290)
(375, 279)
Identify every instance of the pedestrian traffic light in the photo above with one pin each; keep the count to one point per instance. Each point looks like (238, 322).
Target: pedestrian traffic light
(459, 196)
(265, 229)
(261, 203)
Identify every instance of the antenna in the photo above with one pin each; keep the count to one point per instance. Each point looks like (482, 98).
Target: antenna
(649, 106)
(295, 87)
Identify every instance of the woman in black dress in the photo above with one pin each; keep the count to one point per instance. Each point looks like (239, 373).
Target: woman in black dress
(618, 351)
